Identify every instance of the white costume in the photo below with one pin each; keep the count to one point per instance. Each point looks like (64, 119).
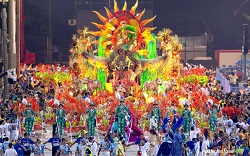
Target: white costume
(94, 148)
(56, 102)
(144, 149)
(2, 131)
(7, 129)
(24, 101)
(14, 132)
(200, 149)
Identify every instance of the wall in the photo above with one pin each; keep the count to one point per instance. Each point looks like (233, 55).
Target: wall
(228, 57)
(195, 46)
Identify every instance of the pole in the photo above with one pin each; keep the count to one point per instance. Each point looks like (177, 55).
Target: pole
(18, 36)
(5, 48)
(245, 48)
(245, 66)
(12, 34)
(49, 48)
(185, 49)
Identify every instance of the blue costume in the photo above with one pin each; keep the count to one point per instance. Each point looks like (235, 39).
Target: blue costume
(177, 148)
(38, 149)
(64, 149)
(113, 148)
(80, 147)
(166, 147)
(79, 140)
(105, 146)
(19, 149)
(55, 142)
(5, 146)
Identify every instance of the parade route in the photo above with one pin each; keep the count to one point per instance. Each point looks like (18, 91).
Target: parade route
(132, 150)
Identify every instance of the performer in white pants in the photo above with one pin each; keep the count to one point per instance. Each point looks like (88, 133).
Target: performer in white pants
(2, 134)
(18, 123)
(14, 131)
(7, 128)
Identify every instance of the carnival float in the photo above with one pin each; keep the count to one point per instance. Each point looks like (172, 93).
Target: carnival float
(120, 60)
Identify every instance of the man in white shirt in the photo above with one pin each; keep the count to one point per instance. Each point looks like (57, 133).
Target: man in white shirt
(10, 151)
(94, 146)
(244, 124)
(200, 146)
(24, 100)
(229, 128)
(193, 133)
(7, 128)
(56, 102)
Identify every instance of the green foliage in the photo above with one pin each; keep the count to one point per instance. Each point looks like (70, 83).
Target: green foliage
(67, 124)
(105, 122)
(55, 77)
(195, 78)
(80, 123)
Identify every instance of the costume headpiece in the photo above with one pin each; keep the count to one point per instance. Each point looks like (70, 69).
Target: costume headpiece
(121, 100)
(210, 101)
(91, 103)
(28, 104)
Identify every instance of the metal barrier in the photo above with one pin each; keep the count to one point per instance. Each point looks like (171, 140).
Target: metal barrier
(234, 89)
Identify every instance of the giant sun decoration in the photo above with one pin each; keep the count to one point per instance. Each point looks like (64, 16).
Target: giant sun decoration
(125, 48)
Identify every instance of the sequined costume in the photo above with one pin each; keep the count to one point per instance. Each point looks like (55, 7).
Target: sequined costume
(60, 120)
(186, 115)
(29, 119)
(91, 112)
(213, 117)
(121, 113)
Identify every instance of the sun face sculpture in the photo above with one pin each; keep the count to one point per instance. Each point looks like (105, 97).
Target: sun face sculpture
(122, 28)
(125, 46)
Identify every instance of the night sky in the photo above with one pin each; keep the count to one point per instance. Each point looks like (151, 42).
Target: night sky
(184, 17)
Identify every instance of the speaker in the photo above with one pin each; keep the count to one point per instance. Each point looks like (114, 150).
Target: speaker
(245, 39)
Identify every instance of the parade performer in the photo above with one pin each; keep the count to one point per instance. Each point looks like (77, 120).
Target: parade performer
(167, 145)
(105, 147)
(177, 148)
(64, 148)
(91, 112)
(213, 115)
(60, 119)
(155, 116)
(29, 118)
(186, 115)
(121, 113)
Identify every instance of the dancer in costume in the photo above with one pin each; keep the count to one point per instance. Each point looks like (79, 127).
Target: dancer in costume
(91, 112)
(155, 116)
(105, 147)
(121, 113)
(213, 115)
(125, 34)
(166, 147)
(29, 118)
(60, 119)
(178, 144)
(186, 115)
